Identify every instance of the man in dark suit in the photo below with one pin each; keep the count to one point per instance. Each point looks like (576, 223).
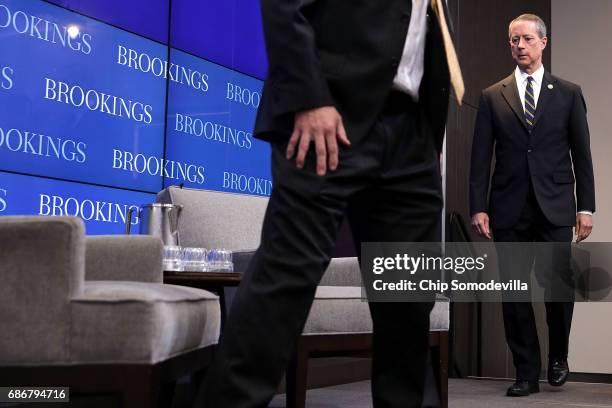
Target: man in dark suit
(537, 125)
(357, 93)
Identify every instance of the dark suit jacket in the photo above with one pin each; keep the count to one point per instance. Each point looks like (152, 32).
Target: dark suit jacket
(542, 159)
(343, 53)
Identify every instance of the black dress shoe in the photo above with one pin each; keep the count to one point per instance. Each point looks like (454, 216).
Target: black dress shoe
(522, 388)
(558, 371)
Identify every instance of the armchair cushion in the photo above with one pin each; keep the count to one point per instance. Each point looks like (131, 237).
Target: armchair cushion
(137, 322)
(342, 272)
(342, 310)
(339, 306)
(338, 310)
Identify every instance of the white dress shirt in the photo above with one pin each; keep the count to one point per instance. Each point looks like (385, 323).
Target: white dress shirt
(521, 82)
(410, 69)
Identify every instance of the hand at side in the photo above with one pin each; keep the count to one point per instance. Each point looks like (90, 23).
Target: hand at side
(324, 127)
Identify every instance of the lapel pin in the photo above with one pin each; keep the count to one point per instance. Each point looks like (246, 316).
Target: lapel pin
(550, 86)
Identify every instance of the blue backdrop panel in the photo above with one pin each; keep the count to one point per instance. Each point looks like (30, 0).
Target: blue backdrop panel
(144, 17)
(212, 130)
(89, 108)
(228, 32)
(84, 125)
(103, 209)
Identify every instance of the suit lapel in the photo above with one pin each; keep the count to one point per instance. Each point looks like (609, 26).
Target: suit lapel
(511, 95)
(546, 91)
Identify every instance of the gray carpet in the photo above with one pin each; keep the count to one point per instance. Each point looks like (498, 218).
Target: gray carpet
(469, 394)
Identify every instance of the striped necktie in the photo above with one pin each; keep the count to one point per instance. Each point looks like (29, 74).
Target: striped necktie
(530, 105)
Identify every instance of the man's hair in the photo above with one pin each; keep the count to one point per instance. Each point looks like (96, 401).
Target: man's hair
(540, 25)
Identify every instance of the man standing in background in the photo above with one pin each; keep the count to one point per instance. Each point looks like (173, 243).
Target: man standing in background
(537, 125)
(354, 107)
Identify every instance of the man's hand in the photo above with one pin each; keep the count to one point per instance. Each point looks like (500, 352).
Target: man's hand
(584, 226)
(480, 223)
(323, 126)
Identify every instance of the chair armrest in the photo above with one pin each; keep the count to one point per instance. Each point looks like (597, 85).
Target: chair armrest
(439, 318)
(241, 260)
(342, 272)
(42, 267)
(124, 258)
(41, 252)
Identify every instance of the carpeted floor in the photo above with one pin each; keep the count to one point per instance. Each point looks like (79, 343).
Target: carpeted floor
(469, 394)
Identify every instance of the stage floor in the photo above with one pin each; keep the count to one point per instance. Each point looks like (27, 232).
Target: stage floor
(469, 394)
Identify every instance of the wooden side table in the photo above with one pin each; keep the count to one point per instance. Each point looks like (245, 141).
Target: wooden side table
(215, 282)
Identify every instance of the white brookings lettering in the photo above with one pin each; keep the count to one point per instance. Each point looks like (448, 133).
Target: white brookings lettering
(3, 196)
(141, 61)
(27, 142)
(86, 209)
(242, 183)
(44, 30)
(6, 82)
(97, 101)
(243, 96)
(213, 131)
(156, 166)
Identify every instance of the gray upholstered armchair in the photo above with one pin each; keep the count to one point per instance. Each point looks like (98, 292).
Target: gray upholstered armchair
(92, 314)
(339, 321)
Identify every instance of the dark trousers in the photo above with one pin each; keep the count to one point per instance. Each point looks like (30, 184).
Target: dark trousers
(389, 184)
(519, 320)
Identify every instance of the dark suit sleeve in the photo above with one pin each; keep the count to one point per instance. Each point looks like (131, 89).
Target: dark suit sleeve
(581, 154)
(294, 70)
(482, 152)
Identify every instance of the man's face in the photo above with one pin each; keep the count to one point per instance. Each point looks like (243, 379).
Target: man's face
(526, 45)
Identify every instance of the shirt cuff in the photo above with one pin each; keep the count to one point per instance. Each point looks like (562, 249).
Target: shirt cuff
(585, 212)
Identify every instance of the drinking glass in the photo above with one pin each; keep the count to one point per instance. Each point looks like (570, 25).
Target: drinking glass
(173, 258)
(194, 259)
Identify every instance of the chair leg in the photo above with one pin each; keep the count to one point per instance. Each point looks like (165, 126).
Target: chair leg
(443, 369)
(143, 390)
(166, 395)
(296, 377)
(139, 394)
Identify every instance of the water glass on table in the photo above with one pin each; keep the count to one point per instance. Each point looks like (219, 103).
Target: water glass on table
(220, 260)
(195, 259)
(173, 258)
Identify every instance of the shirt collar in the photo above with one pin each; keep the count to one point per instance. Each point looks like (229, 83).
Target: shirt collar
(537, 76)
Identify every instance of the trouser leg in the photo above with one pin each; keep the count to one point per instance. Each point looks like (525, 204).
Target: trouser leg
(522, 338)
(405, 206)
(561, 291)
(272, 303)
(559, 319)
(519, 319)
